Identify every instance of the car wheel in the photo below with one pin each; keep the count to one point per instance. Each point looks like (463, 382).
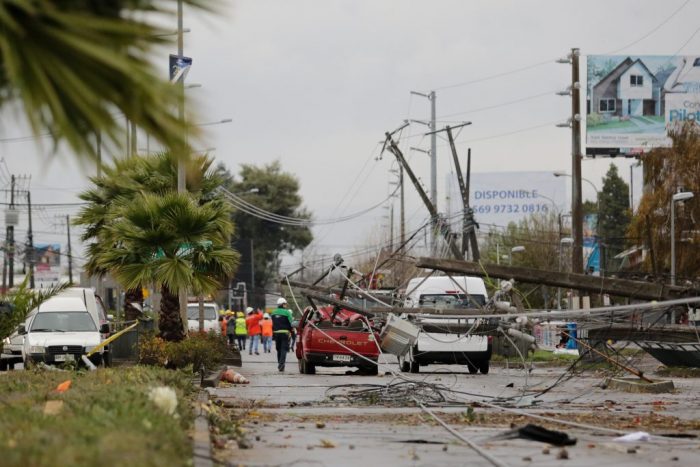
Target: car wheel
(310, 367)
(484, 367)
(3, 366)
(414, 367)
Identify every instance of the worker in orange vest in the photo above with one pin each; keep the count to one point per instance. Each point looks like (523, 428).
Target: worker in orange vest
(254, 330)
(266, 326)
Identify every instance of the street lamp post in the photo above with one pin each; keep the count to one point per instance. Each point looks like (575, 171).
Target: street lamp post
(515, 249)
(562, 242)
(682, 196)
(578, 249)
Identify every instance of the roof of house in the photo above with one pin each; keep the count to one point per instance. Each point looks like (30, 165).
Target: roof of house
(620, 69)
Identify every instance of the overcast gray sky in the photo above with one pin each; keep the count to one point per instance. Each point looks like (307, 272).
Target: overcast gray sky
(316, 83)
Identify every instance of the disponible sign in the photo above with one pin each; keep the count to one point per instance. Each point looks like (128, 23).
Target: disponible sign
(634, 100)
(499, 198)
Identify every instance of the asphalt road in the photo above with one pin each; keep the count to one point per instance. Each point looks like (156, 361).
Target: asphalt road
(289, 421)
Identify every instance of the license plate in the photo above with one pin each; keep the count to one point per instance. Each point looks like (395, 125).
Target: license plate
(342, 358)
(64, 358)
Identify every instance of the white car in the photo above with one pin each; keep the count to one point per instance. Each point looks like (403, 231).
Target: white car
(441, 340)
(211, 317)
(61, 330)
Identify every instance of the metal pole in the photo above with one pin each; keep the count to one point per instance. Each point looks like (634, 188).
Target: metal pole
(632, 188)
(134, 148)
(433, 167)
(181, 188)
(576, 202)
(181, 101)
(70, 257)
(403, 207)
(391, 226)
(559, 288)
(30, 241)
(673, 242)
(98, 147)
(11, 239)
(498, 253)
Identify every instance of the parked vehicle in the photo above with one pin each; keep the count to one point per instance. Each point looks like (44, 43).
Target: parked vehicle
(446, 341)
(320, 345)
(60, 330)
(211, 317)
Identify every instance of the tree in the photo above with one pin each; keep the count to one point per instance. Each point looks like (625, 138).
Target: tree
(667, 171)
(613, 215)
(540, 236)
(273, 190)
(71, 64)
(124, 180)
(16, 305)
(173, 241)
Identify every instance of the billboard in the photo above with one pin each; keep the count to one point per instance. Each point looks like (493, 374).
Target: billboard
(499, 198)
(633, 100)
(47, 255)
(179, 67)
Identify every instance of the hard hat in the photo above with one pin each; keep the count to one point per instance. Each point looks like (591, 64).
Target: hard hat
(266, 315)
(239, 314)
(249, 310)
(281, 301)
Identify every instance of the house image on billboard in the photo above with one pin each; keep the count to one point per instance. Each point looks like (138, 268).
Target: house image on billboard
(629, 90)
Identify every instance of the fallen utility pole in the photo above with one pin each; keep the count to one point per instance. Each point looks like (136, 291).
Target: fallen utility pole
(633, 371)
(594, 284)
(392, 147)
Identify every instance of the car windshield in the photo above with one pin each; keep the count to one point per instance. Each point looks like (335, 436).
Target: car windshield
(209, 312)
(63, 321)
(451, 301)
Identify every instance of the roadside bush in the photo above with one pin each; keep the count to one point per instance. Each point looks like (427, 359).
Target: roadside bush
(199, 349)
(153, 351)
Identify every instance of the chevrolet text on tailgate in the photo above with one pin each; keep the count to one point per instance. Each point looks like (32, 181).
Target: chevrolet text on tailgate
(329, 337)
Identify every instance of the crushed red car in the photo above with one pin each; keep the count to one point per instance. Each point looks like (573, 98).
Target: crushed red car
(322, 330)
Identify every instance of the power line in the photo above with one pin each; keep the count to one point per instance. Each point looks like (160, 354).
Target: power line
(652, 31)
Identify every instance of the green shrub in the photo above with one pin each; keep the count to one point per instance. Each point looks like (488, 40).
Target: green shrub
(197, 350)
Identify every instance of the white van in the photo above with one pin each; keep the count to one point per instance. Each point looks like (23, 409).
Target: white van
(211, 317)
(61, 330)
(446, 341)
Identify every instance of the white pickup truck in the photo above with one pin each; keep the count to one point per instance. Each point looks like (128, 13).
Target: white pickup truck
(441, 340)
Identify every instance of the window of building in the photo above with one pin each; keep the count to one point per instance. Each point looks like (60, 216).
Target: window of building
(636, 80)
(606, 105)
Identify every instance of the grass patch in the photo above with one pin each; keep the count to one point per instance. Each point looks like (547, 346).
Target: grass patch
(538, 356)
(106, 418)
(679, 372)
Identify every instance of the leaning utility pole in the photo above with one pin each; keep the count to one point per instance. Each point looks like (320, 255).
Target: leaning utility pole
(392, 147)
(468, 224)
(70, 254)
(576, 202)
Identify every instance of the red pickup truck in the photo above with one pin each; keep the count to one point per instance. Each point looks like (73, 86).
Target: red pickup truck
(320, 332)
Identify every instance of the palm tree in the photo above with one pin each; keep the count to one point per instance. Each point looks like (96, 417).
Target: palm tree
(76, 66)
(126, 178)
(172, 241)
